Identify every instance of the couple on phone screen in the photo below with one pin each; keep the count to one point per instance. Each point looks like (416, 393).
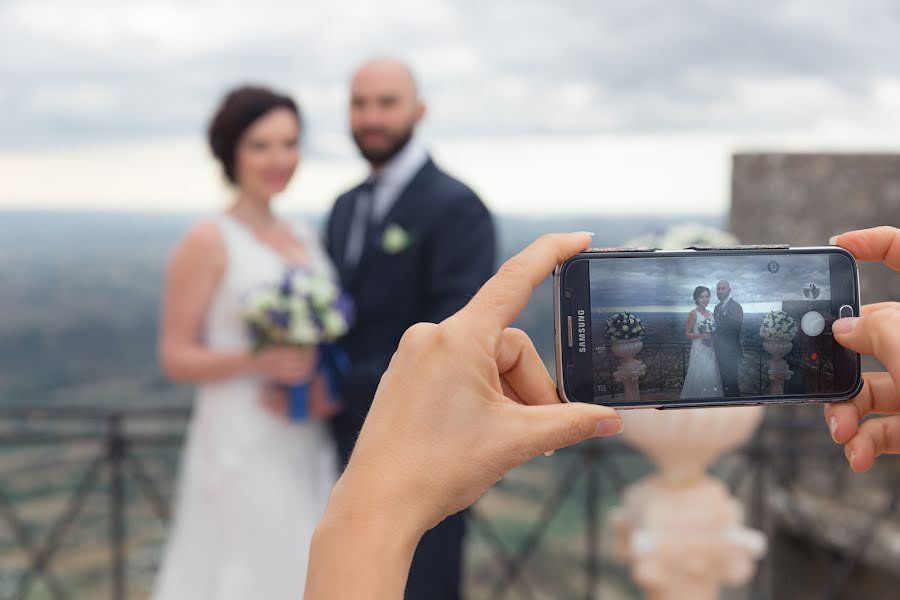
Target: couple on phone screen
(715, 336)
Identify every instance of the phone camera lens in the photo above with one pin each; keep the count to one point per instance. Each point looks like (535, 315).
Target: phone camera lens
(569, 294)
(774, 266)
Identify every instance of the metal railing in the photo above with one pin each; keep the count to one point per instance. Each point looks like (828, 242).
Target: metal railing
(667, 365)
(127, 458)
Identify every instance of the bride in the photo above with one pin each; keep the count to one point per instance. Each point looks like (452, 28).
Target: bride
(702, 379)
(253, 483)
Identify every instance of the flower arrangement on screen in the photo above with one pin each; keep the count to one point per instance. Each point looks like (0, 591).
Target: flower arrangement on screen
(778, 325)
(624, 326)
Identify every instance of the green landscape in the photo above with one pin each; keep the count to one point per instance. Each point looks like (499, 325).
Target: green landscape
(79, 303)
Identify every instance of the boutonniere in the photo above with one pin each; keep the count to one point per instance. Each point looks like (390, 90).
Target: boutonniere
(395, 239)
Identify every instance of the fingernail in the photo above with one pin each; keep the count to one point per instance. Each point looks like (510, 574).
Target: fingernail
(609, 426)
(590, 233)
(832, 241)
(845, 325)
(850, 458)
(549, 452)
(832, 425)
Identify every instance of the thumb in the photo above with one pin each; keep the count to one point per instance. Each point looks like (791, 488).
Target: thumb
(872, 333)
(551, 426)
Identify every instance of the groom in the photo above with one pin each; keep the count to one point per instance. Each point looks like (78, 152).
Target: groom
(411, 244)
(729, 317)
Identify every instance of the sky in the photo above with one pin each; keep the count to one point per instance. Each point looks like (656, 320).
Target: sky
(576, 106)
(666, 284)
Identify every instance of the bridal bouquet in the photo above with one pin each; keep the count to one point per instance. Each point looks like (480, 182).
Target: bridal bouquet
(706, 326)
(778, 325)
(624, 326)
(305, 309)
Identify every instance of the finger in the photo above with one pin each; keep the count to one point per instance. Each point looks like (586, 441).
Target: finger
(867, 309)
(509, 392)
(503, 297)
(523, 370)
(879, 395)
(881, 244)
(874, 333)
(875, 437)
(540, 429)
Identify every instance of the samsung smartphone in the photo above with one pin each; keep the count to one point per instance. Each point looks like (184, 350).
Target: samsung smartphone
(705, 327)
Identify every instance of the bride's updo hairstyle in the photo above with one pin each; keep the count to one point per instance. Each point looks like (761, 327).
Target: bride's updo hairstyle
(238, 110)
(699, 290)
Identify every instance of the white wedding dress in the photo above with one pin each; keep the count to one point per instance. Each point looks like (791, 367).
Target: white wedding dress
(702, 379)
(252, 485)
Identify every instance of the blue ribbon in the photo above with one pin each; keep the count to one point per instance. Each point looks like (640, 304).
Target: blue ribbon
(333, 362)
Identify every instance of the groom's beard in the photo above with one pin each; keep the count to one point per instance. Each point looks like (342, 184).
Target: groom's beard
(378, 157)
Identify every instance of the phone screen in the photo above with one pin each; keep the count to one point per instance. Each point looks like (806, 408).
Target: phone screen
(707, 327)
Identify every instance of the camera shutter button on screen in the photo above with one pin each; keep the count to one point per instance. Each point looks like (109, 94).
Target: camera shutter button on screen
(812, 323)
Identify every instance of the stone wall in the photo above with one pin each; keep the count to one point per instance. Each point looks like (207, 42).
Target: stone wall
(824, 510)
(804, 199)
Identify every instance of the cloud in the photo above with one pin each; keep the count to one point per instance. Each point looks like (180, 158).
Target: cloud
(102, 70)
(669, 281)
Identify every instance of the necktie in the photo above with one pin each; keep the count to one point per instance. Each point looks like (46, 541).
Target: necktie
(362, 226)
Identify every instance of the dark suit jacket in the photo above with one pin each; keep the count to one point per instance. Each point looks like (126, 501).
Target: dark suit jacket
(729, 324)
(450, 255)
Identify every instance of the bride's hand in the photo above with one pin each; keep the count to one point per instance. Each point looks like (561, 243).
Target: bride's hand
(274, 399)
(321, 404)
(287, 365)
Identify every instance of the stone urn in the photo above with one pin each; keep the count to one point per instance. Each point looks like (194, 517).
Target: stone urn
(627, 349)
(630, 369)
(778, 367)
(680, 530)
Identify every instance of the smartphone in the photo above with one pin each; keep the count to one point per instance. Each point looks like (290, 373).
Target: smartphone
(705, 327)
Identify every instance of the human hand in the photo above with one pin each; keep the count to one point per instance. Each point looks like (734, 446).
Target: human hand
(875, 332)
(465, 401)
(321, 403)
(461, 403)
(288, 365)
(274, 399)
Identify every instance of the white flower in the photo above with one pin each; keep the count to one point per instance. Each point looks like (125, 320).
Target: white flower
(322, 291)
(395, 239)
(303, 332)
(333, 324)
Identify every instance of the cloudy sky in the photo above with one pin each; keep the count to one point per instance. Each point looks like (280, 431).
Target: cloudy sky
(666, 284)
(571, 106)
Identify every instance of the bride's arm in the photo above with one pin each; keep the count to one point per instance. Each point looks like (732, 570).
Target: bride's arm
(194, 273)
(689, 327)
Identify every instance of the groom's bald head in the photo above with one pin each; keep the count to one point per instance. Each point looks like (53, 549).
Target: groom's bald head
(723, 289)
(384, 108)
